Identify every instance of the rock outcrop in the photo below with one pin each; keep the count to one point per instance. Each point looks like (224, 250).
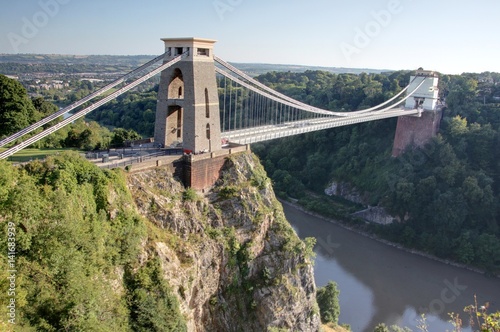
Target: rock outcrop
(375, 214)
(346, 191)
(230, 256)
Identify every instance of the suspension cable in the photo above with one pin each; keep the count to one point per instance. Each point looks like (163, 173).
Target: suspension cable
(306, 107)
(80, 102)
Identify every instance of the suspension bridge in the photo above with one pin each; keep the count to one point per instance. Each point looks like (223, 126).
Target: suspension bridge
(205, 104)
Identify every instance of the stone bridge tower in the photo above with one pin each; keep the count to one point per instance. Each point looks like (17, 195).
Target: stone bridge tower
(187, 110)
(416, 131)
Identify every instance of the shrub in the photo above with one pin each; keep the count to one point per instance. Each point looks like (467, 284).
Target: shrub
(190, 195)
(328, 302)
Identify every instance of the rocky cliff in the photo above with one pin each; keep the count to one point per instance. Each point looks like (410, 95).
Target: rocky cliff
(229, 255)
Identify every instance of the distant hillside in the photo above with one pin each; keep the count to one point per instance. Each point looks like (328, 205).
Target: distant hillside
(120, 61)
(105, 60)
(256, 69)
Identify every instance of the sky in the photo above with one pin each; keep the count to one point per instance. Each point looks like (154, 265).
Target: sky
(451, 37)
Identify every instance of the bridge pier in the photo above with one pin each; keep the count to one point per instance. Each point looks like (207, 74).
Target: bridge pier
(416, 131)
(200, 172)
(413, 131)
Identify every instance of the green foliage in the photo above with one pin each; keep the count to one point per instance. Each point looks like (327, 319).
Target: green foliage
(16, 109)
(228, 192)
(190, 195)
(153, 305)
(393, 328)
(259, 180)
(75, 230)
(328, 301)
(332, 207)
(133, 110)
(45, 109)
(346, 327)
(309, 243)
(276, 329)
(232, 245)
(266, 276)
(213, 233)
(120, 136)
(87, 136)
(458, 126)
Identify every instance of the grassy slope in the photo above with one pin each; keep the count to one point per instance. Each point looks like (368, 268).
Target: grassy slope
(32, 154)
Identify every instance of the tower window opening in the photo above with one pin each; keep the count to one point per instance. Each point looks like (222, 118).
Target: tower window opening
(178, 51)
(179, 124)
(207, 107)
(203, 51)
(180, 92)
(208, 131)
(419, 102)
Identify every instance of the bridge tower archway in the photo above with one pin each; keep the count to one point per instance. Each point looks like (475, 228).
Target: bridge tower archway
(176, 86)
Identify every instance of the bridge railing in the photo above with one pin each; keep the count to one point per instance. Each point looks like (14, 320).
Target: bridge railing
(140, 159)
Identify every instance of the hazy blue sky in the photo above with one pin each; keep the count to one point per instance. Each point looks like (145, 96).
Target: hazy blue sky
(444, 35)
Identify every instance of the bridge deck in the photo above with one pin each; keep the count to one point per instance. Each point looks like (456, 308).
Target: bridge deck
(269, 132)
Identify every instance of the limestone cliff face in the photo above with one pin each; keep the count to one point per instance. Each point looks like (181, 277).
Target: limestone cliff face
(229, 255)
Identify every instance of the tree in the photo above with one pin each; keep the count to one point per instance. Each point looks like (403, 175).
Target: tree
(120, 136)
(154, 306)
(487, 249)
(328, 302)
(458, 126)
(87, 136)
(44, 107)
(16, 108)
(463, 91)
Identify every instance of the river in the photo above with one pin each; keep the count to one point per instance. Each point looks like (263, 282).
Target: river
(380, 283)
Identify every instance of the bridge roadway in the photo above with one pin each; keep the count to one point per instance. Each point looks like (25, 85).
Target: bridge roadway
(269, 132)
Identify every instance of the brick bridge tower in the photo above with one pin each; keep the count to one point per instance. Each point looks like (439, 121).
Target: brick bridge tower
(187, 110)
(416, 131)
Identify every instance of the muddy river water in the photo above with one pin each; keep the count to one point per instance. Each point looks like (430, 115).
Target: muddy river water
(381, 283)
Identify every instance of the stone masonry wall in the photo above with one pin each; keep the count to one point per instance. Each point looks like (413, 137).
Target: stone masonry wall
(415, 131)
(202, 174)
